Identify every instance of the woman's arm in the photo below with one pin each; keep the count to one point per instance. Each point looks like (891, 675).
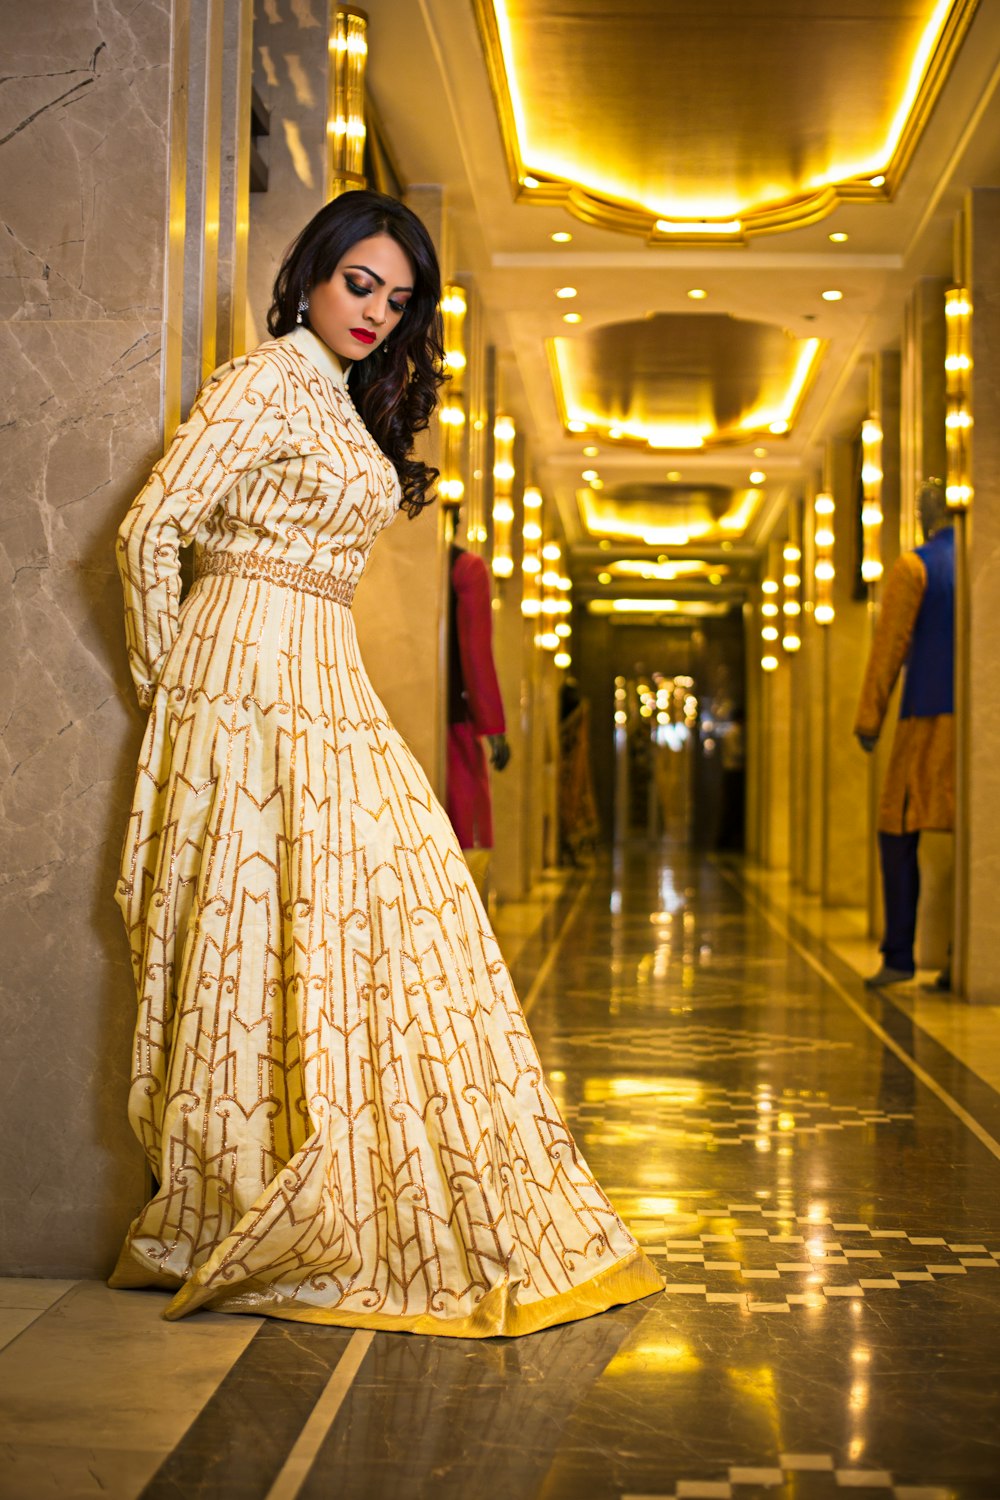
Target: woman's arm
(236, 424)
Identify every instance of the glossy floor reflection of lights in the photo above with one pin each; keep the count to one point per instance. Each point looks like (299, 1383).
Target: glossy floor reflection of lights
(818, 1179)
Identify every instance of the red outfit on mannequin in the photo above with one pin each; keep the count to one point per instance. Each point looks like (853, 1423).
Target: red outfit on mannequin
(475, 707)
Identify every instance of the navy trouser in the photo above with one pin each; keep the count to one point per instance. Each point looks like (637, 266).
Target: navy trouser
(900, 893)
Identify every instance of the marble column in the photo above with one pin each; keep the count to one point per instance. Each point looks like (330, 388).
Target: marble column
(84, 118)
(884, 402)
(845, 770)
(977, 859)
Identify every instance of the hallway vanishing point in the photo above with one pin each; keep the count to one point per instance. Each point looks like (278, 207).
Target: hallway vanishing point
(816, 1175)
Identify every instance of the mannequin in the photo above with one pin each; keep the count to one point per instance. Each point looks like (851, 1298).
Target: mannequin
(475, 711)
(916, 626)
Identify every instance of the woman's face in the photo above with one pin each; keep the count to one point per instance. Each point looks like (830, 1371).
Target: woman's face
(365, 298)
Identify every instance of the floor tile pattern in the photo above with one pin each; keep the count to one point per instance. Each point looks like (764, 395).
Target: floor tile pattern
(827, 1221)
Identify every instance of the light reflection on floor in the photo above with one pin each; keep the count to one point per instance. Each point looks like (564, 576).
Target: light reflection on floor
(828, 1227)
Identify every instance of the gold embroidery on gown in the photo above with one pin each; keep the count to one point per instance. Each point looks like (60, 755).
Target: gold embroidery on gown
(332, 1078)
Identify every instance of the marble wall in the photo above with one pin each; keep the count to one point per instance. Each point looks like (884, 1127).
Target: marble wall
(83, 153)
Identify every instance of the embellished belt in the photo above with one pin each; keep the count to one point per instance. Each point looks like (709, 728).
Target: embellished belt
(277, 570)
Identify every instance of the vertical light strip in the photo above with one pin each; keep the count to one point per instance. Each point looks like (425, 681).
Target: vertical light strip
(791, 606)
(451, 485)
(563, 629)
(769, 633)
(823, 569)
(552, 583)
(531, 564)
(871, 509)
(958, 419)
(346, 120)
(504, 433)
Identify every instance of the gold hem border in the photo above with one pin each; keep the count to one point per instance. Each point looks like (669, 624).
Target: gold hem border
(628, 1280)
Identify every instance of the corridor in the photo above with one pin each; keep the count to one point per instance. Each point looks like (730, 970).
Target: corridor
(815, 1175)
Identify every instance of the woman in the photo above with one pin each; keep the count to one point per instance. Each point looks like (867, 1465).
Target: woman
(333, 1081)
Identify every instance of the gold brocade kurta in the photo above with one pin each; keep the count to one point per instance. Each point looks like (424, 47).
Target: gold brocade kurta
(919, 787)
(332, 1078)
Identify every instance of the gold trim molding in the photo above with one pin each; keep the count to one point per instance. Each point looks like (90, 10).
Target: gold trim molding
(593, 207)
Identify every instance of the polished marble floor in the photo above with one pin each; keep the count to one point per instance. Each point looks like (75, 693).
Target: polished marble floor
(816, 1172)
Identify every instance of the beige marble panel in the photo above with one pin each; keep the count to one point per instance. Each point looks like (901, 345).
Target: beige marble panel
(97, 1391)
(84, 126)
(83, 431)
(83, 114)
(399, 614)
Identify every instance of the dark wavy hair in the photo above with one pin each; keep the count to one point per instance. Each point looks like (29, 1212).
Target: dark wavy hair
(395, 393)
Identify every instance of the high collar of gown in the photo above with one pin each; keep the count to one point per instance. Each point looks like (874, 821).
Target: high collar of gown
(319, 356)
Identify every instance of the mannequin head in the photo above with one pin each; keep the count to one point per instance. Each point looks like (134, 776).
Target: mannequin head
(931, 507)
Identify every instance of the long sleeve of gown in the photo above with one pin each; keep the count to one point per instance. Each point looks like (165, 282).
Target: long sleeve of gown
(904, 594)
(474, 628)
(235, 425)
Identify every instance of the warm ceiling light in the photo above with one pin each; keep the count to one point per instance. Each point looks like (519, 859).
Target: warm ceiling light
(563, 237)
(760, 453)
(590, 475)
(530, 182)
(697, 294)
(591, 451)
(572, 318)
(565, 292)
(838, 236)
(604, 577)
(699, 226)
(878, 180)
(673, 475)
(715, 578)
(769, 663)
(832, 295)
(575, 425)
(758, 476)
(777, 427)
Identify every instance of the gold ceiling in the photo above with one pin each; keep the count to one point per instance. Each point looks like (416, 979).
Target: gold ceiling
(668, 515)
(709, 120)
(681, 380)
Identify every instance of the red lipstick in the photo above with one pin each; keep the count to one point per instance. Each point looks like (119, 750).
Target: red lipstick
(363, 335)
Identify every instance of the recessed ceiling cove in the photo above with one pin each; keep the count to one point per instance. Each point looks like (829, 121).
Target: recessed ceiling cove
(681, 381)
(712, 120)
(665, 515)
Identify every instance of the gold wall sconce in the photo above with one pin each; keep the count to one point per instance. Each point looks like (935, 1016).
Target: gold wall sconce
(824, 571)
(791, 607)
(871, 507)
(504, 433)
(346, 119)
(531, 562)
(451, 485)
(958, 416)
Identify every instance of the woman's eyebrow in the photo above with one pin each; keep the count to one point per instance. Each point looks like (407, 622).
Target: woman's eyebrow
(376, 277)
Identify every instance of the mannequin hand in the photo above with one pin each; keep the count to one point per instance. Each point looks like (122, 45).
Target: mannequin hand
(868, 742)
(499, 751)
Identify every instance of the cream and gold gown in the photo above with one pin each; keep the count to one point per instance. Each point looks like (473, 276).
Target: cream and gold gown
(332, 1077)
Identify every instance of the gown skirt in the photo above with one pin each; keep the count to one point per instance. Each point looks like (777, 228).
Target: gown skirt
(333, 1080)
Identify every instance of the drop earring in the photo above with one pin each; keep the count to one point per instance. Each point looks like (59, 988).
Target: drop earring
(303, 307)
